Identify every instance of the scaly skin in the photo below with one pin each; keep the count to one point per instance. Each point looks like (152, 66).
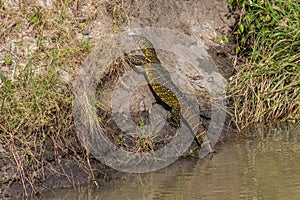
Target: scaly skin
(162, 84)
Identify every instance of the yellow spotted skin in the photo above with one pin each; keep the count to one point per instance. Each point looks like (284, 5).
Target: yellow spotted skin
(162, 84)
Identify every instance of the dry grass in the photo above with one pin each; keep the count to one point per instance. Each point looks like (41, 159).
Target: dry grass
(40, 49)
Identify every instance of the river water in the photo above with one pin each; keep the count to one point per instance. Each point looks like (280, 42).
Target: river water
(261, 164)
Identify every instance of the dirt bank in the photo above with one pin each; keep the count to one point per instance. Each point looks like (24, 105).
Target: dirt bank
(208, 22)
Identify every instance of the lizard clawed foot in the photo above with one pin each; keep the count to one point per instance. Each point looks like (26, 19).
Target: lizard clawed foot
(205, 152)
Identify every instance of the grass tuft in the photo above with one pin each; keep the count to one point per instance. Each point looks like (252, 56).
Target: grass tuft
(267, 85)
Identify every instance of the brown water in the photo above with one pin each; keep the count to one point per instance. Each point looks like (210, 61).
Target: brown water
(264, 164)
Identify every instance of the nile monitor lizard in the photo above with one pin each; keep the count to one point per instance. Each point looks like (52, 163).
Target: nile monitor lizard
(162, 84)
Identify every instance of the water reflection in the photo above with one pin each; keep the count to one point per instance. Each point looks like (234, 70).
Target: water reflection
(261, 164)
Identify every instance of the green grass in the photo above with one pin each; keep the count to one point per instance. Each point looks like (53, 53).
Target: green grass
(267, 85)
